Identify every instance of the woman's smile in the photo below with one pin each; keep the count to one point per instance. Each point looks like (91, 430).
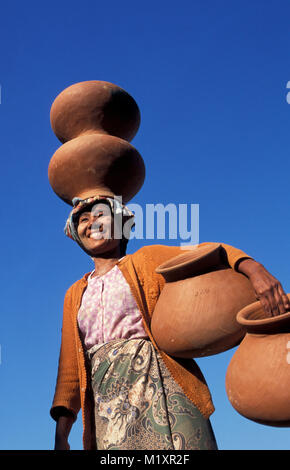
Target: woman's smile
(95, 230)
(96, 235)
(99, 232)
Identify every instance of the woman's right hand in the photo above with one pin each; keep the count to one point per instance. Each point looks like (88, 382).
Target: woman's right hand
(63, 427)
(61, 443)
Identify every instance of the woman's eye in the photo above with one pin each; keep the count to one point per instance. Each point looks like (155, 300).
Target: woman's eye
(98, 214)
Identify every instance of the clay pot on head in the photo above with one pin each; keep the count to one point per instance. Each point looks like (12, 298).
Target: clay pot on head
(96, 164)
(258, 376)
(95, 120)
(94, 106)
(195, 314)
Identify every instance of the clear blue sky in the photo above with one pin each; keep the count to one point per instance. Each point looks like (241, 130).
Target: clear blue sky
(210, 80)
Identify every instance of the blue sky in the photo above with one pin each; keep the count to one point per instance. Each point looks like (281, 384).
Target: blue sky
(210, 80)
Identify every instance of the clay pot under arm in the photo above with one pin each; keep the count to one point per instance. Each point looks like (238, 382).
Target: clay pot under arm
(195, 314)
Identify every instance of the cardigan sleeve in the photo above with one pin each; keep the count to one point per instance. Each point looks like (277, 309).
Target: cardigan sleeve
(67, 392)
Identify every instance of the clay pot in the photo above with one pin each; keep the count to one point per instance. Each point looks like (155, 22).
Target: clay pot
(195, 314)
(96, 164)
(95, 120)
(94, 106)
(258, 376)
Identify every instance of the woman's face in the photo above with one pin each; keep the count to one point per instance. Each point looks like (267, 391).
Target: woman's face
(96, 230)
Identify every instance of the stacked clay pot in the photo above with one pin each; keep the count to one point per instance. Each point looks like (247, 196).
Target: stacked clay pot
(258, 376)
(95, 121)
(195, 314)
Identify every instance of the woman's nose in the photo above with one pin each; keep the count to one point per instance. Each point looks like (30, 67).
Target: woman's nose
(95, 221)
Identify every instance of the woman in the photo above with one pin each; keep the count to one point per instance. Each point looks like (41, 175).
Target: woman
(132, 395)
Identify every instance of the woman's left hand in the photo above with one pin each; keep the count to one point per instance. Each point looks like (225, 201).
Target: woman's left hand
(268, 289)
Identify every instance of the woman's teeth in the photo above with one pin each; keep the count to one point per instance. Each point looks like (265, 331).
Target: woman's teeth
(97, 235)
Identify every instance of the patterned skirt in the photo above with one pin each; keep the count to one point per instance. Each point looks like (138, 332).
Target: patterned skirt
(138, 406)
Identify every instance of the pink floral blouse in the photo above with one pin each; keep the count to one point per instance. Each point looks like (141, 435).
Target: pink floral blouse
(109, 311)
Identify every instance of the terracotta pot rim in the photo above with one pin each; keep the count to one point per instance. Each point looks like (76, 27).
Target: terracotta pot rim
(186, 258)
(243, 317)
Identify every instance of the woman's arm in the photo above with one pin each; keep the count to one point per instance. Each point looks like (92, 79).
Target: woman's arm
(63, 428)
(268, 289)
(66, 402)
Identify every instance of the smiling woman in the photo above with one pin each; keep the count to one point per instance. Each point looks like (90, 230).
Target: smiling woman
(120, 363)
(132, 394)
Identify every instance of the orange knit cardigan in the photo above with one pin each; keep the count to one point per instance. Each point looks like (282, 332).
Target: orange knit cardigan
(73, 389)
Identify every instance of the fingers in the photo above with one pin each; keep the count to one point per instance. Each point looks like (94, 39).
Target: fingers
(284, 297)
(274, 300)
(278, 307)
(265, 304)
(270, 292)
